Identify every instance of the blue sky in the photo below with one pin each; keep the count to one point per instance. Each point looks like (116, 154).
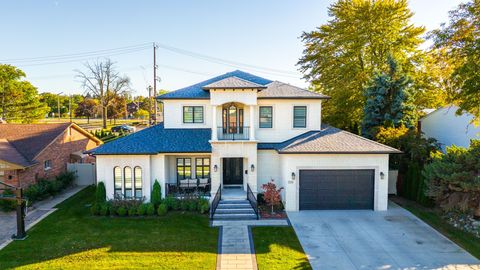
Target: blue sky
(261, 34)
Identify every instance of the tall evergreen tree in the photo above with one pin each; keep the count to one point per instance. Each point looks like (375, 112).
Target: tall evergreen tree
(388, 101)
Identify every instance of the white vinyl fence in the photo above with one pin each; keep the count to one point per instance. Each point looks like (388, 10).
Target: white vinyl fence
(84, 172)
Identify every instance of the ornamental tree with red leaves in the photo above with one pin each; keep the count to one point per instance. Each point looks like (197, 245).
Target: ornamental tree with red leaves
(271, 194)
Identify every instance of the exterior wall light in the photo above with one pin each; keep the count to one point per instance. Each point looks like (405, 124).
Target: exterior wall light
(215, 168)
(252, 167)
(382, 175)
(293, 175)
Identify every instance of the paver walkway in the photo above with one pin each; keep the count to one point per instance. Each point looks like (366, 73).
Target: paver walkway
(39, 211)
(236, 249)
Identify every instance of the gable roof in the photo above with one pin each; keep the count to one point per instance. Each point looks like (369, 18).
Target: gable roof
(280, 90)
(9, 153)
(329, 140)
(233, 83)
(29, 140)
(197, 92)
(157, 139)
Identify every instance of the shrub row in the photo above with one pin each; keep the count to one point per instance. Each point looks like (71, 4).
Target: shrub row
(41, 190)
(121, 207)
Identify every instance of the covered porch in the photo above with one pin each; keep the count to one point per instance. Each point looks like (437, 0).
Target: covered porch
(187, 174)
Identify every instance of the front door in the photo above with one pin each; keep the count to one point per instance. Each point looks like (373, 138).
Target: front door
(232, 171)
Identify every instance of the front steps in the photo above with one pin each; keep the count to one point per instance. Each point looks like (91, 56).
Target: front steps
(234, 209)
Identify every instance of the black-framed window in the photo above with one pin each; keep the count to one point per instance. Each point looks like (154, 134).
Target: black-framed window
(266, 117)
(117, 180)
(127, 182)
(300, 116)
(184, 168)
(202, 168)
(192, 114)
(137, 172)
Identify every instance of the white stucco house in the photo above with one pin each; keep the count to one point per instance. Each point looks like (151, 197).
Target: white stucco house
(239, 131)
(448, 128)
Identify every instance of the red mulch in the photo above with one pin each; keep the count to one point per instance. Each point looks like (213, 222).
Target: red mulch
(275, 215)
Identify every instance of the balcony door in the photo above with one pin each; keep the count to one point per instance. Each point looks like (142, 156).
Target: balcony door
(232, 119)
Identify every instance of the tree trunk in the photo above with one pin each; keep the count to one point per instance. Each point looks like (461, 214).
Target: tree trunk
(104, 116)
(88, 119)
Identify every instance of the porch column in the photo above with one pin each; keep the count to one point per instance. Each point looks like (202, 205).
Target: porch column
(214, 123)
(252, 123)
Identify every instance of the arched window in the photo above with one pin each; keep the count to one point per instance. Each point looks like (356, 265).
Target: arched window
(137, 171)
(117, 180)
(127, 174)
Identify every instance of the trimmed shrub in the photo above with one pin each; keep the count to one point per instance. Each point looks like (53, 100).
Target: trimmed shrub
(142, 209)
(132, 211)
(184, 205)
(192, 205)
(203, 206)
(105, 210)
(95, 209)
(150, 209)
(170, 202)
(100, 193)
(121, 211)
(156, 195)
(162, 210)
(8, 205)
(176, 204)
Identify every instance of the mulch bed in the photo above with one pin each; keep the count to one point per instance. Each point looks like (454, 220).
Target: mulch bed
(275, 215)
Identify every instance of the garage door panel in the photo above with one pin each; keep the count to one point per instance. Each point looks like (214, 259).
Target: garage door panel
(336, 189)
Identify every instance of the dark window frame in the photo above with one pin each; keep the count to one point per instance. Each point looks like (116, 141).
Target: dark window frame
(194, 108)
(260, 117)
(304, 117)
(135, 189)
(47, 165)
(202, 167)
(183, 166)
(115, 188)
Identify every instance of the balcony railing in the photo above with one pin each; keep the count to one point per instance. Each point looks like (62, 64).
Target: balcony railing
(233, 133)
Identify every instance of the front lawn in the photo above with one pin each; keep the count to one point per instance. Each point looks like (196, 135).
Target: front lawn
(71, 238)
(278, 248)
(464, 239)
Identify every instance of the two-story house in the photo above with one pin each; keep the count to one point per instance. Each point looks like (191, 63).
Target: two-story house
(240, 130)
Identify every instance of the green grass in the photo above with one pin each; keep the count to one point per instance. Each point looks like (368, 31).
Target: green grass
(278, 248)
(464, 239)
(71, 238)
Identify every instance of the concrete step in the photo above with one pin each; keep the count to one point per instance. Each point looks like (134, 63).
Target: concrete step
(234, 201)
(235, 211)
(234, 206)
(234, 216)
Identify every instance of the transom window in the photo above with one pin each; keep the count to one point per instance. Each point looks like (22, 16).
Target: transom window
(202, 167)
(184, 168)
(192, 114)
(300, 116)
(266, 116)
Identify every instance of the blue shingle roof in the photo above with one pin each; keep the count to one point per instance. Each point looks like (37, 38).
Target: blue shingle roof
(157, 139)
(196, 92)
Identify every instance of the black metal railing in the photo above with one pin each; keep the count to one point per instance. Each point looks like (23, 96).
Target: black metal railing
(253, 201)
(233, 133)
(215, 202)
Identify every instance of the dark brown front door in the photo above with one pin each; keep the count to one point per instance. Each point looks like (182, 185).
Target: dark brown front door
(232, 171)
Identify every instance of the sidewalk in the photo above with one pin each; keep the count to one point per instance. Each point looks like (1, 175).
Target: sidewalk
(39, 211)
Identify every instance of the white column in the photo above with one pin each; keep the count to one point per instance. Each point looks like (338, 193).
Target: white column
(252, 123)
(214, 123)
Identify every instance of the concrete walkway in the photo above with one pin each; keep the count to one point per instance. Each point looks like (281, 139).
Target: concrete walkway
(39, 211)
(236, 247)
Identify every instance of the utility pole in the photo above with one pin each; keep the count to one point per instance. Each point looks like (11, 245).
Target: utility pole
(149, 88)
(155, 83)
(70, 107)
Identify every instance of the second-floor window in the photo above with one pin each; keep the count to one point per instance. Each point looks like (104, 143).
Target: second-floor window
(300, 116)
(266, 116)
(192, 114)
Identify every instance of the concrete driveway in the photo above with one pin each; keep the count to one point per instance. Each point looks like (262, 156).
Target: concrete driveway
(358, 239)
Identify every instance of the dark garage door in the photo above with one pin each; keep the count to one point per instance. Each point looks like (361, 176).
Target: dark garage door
(336, 189)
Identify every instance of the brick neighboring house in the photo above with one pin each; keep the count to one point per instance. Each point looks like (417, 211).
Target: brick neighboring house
(29, 152)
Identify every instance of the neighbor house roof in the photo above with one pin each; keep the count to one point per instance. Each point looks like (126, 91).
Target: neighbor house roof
(240, 79)
(329, 140)
(157, 139)
(29, 140)
(233, 83)
(10, 154)
(280, 90)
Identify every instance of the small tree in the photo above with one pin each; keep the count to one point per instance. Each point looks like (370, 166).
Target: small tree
(100, 193)
(156, 196)
(271, 194)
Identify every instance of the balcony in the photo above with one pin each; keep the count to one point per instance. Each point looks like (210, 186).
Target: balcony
(233, 133)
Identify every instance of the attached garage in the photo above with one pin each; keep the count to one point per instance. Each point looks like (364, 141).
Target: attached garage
(336, 189)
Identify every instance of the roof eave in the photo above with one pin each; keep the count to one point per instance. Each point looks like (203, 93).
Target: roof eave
(340, 152)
